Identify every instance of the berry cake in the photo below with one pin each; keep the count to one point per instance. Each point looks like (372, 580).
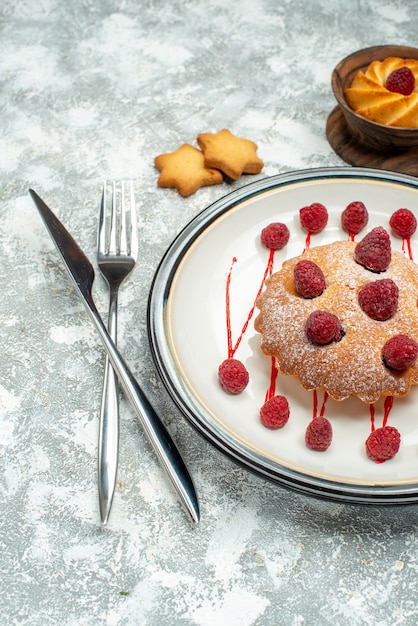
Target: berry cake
(335, 336)
(387, 92)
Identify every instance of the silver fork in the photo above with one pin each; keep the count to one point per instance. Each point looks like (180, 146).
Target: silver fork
(117, 251)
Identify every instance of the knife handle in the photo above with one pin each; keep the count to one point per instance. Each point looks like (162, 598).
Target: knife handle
(154, 428)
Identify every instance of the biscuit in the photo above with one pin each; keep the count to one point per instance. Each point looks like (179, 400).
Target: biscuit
(231, 154)
(185, 170)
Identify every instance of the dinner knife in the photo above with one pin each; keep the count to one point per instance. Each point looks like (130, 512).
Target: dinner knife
(82, 273)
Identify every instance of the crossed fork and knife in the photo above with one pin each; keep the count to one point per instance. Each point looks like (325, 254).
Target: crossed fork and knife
(117, 251)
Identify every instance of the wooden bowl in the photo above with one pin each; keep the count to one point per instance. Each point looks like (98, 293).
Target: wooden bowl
(366, 132)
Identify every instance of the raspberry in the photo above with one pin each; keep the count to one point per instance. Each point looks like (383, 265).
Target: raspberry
(383, 443)
(275, 236)
(275, 412)
(318, 435)
(399, 352)
(314, 217)
(373, 251)
(379, 299)
(233, 376)
(309, 279)
(401, 81)
(322, 327)
(354, 217)
(403, 223)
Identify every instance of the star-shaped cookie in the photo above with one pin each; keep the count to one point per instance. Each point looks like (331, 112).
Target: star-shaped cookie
(185, 170)
(231, 154)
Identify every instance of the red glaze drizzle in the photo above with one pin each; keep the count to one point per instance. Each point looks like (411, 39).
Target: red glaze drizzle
(231, 351)
(372, 414)
(271, 391)
(388, 404)
(267, 272)
(315, 404)
(387, 407)
(407, 248)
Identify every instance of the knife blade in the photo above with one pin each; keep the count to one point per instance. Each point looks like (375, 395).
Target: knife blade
(82, 274)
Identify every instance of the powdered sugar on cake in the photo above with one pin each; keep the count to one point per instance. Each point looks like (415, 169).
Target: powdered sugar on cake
(353, 365)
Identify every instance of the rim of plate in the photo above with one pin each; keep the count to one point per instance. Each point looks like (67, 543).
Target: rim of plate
(188, 403)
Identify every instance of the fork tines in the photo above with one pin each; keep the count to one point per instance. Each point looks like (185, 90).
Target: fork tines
(118, 228)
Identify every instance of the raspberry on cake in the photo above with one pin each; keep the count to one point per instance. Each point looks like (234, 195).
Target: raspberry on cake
(379, 299)
(309, 279)
(374, 250)
(400, 352)
(322, 327)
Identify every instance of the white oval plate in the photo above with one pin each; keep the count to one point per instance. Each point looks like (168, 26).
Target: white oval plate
(188, 336)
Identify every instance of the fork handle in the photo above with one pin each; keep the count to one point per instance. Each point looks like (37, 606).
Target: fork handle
(159, 437)
(109, 423)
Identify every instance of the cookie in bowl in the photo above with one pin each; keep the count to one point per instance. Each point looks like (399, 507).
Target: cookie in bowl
(376, 117)
(387, 92)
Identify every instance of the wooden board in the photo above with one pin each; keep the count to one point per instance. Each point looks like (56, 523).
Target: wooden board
(353, 152)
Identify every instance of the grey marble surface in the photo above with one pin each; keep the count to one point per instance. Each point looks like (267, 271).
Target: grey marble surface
(94, 90)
